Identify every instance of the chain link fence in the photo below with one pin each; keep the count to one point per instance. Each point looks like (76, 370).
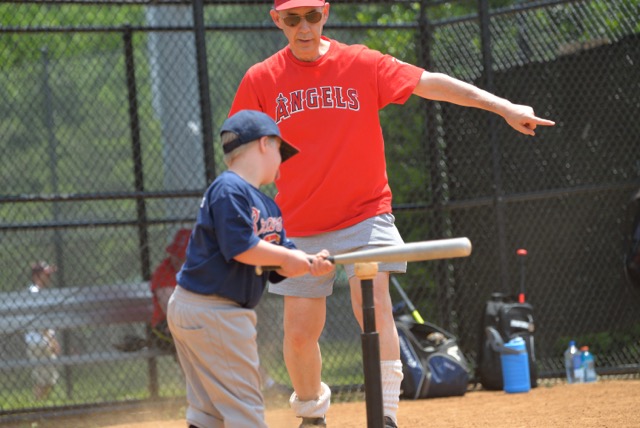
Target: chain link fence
(108, 120)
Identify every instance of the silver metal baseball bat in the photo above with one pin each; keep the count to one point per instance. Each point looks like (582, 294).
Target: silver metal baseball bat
(411, 252)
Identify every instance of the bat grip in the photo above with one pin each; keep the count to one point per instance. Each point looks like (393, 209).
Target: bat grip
(417, 317)
(414, 312)
(261, 269)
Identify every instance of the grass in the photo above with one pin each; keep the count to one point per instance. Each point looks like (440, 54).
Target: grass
(128, 381)
(92, 384)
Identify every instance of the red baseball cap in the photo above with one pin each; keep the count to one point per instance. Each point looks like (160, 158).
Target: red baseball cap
(290, 4)
(178, 247)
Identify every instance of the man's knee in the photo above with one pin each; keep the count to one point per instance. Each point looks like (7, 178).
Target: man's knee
(302, 334)
(304, 321)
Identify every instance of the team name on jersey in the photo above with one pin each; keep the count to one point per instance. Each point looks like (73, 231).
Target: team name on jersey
(322, 97)
(268, 228)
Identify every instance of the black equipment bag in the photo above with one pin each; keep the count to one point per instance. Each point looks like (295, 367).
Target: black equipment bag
(632, 257)
(502, 320)
(432, 363)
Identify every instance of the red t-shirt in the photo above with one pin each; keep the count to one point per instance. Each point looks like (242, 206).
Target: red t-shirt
(163, 276)
(329, 109)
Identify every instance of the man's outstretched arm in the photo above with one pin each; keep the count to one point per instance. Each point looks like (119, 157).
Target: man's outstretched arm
(440, 87)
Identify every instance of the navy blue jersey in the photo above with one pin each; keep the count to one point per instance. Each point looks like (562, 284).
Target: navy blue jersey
(232, 219)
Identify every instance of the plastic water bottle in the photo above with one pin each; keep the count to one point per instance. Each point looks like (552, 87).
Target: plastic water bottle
(573, 363)
(588, 365)
(515, 366)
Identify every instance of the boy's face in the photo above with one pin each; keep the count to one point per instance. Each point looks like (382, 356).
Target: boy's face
(275, 158)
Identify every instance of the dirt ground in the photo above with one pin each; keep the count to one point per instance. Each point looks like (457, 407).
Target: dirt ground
(606, 403)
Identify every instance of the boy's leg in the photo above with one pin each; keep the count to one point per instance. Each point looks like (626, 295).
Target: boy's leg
(216, 345)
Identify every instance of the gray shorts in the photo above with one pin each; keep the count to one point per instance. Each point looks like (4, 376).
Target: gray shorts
(378, 231)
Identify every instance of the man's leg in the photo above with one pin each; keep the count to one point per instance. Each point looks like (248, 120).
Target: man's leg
(42, 392)
(305, 314)
(390, 364)
(304, 320)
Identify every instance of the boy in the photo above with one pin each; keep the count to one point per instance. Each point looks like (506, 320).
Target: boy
(210, 313)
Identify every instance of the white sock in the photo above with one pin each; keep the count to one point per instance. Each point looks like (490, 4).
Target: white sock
(312, 408)
(391, 371)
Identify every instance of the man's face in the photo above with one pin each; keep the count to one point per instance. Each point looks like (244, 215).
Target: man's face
(303, 37)
(42, 278)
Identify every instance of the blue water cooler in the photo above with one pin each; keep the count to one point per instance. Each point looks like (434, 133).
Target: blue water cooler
(515, 366)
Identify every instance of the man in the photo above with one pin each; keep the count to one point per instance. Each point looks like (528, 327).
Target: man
(42, 345)
(163, 282)
(326, 96)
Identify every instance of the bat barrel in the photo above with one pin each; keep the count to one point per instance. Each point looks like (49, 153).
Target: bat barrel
(412, 252)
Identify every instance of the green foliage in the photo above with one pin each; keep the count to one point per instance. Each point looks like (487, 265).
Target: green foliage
(13, 50)
(342, 363)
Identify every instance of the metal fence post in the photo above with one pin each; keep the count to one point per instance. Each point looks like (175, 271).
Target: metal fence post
(141, 208)
(499, 205)
(203, 87)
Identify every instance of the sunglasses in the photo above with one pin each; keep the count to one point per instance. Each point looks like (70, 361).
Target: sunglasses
(312, 17)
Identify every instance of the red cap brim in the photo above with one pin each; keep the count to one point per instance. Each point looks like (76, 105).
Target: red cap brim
(290, 4)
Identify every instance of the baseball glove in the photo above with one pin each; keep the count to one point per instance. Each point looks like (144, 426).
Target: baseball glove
(131, 343)
(162, 337)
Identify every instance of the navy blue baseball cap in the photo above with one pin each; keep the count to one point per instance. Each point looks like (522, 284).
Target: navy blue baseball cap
(250, 125)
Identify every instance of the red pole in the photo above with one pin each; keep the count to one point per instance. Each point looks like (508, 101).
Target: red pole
(522, 253)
